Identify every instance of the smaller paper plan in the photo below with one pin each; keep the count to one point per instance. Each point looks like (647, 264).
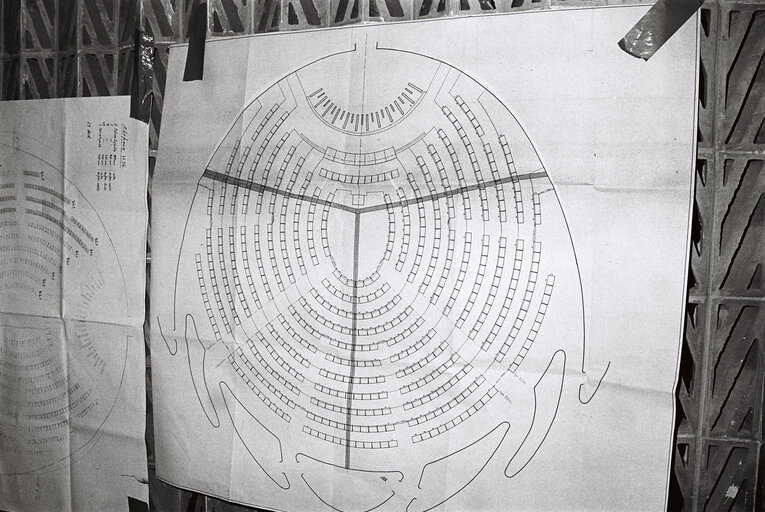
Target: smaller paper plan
(424, 266)
(73, 216)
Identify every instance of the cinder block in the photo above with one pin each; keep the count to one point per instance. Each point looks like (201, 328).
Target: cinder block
(233, 17)
(39, 25)
(738, 256)
(38, 76)
(304, 14)
(727, 476)
(98, 70)
(734, 404)
(742, 76)
(163, 19)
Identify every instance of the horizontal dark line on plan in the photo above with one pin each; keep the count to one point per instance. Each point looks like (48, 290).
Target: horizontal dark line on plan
(238, 182)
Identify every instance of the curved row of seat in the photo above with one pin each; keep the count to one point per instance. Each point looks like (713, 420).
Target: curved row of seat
(364, 122)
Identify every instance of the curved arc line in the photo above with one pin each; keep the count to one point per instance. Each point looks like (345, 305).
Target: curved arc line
(221, 384)
(487, 434)
(401, 479)
(471, 480)
(531, 427)
(215, 423)
(302, 476)
(180, 249)
(278, 441)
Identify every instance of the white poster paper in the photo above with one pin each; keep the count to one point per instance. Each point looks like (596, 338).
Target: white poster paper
(73, 216)
(432, 265)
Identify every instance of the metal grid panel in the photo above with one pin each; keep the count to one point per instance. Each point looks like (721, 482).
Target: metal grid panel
(59, 48)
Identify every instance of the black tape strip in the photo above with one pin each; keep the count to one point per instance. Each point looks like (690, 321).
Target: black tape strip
(141, 94)
(657, 26)
(195, 56)
(135, 505)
